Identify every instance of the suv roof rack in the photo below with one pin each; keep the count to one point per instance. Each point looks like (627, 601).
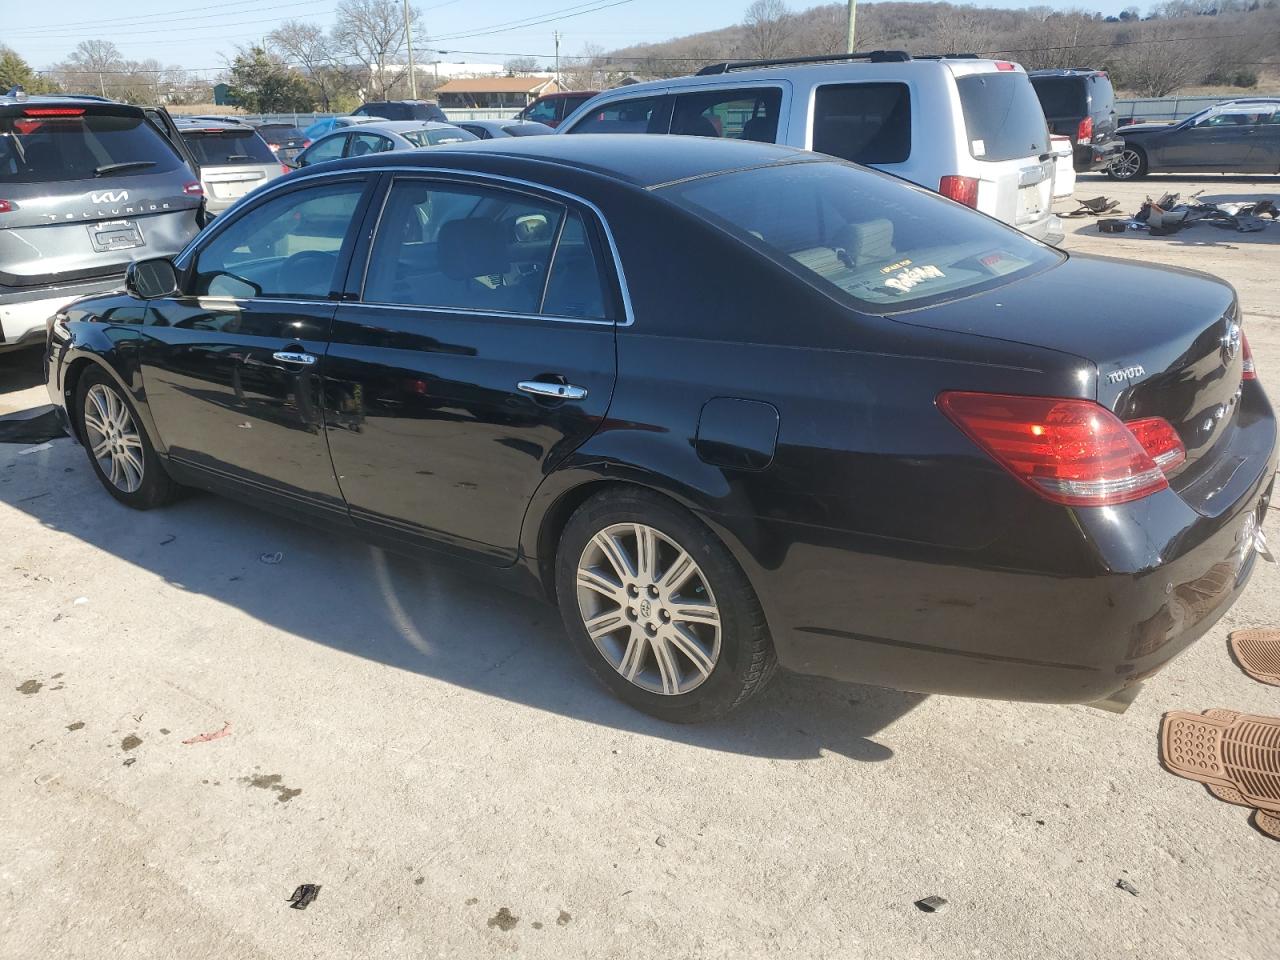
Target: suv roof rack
(872, 56)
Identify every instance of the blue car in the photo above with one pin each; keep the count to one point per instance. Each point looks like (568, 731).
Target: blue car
(330, 124)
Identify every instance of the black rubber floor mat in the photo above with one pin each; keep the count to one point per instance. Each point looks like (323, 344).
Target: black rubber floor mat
(37, 429)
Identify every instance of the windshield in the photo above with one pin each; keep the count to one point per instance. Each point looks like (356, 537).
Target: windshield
(874, 238)
(214, 148)
(281, 134)
(79, 145)
(1003, 116)
(434, 138)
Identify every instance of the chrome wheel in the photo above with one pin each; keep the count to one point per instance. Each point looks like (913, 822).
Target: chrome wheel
(648, 608)
(1126, 166)
(112, 438)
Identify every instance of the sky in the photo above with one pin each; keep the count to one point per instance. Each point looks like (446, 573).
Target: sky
(201, 35)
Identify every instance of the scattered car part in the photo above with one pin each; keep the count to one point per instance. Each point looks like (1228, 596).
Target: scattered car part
(931, 904)
(1236, 755)
(1258, 653)
(304, 896)
(1127, 887)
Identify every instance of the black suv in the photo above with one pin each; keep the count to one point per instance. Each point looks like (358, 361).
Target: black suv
(401, 110)
(1081, 104)
(87, 185)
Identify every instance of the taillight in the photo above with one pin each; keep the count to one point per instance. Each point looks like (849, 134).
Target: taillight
(193, 189)
(6, 206)
(1004, 65)
(285, 168)
(1162, 443)
(960, 189)
(305, 144)
(1247, 370)
(1074, 452)
(1084, 132)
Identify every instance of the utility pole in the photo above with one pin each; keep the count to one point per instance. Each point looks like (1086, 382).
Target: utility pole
(102, 85)
(853, 14)
(408, 39)
(557, 36)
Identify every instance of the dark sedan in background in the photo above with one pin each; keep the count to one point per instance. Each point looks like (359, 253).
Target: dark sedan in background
(731, 405)
(1239, 136)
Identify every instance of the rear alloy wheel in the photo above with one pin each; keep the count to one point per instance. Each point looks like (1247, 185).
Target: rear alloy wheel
(118, 448)
(1130, 165)
(659, 609)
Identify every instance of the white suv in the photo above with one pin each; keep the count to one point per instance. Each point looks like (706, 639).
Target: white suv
(971, 129)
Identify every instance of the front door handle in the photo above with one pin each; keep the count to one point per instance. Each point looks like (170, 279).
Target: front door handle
(291, 356)
(552, 391)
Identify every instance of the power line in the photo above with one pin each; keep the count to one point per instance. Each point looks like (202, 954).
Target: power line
(534, 20)
(128, 22)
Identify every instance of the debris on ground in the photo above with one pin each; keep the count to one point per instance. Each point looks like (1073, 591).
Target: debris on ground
(27, 450)
(1257, 653)
(206, 737)
(1127, 887)
(931, 904)
(1094, 207)
(1169, 215)
(37, 429)
(271, 558)
(304, 895)
(504, 920)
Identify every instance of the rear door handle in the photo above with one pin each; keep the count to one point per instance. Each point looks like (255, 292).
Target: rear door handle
(290, 356)
(553, 391)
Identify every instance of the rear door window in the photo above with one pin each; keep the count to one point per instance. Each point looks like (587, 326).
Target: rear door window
(729, 114)
(641, 115)
(48, 144)
(365, 143)
(863, 122)
(1061, 96)
(225, 148)
(1003, 116)
(543, 110)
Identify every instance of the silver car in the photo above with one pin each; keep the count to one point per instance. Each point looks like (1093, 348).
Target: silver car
(233, 158)
(380, 137)
(971, 129)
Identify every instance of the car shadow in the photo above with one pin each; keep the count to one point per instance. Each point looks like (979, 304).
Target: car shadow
(434, 618)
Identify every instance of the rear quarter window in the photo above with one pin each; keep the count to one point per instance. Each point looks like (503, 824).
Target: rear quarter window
(1003, 116)
(1061, 96)
(81, 146)
(214, 148)
(863, 122)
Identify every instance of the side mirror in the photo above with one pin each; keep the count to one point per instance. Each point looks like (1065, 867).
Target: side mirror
(151, 279)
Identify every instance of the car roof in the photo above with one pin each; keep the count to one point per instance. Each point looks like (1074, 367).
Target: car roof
(211, 123)
(1066, 72)
(400, 126)
(637, 160)
(373, 103)
(561, 94)
(60, 100)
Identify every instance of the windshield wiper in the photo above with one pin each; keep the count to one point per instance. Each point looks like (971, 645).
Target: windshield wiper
(127, 165)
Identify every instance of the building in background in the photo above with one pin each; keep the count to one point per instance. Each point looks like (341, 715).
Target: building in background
(514, 93)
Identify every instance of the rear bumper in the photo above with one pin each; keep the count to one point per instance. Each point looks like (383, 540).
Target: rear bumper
(24, 313)
(1096, 156)
(1152, 578)
(1048, 229)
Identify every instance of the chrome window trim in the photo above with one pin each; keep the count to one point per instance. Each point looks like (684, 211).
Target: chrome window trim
(293, 179)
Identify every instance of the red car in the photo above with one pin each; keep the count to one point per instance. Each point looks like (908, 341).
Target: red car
(554, 107)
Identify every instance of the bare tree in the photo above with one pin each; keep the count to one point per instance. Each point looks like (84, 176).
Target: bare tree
(1160, 64)
(372, 32)
(307, 46)
(521, 66)
(964, 30)
(767, 27)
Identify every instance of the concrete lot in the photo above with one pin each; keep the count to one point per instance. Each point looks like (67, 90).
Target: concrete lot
(431, 753)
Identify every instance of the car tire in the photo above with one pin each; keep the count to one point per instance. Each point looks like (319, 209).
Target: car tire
(683, 637)
(1131, 164)
(118, 448)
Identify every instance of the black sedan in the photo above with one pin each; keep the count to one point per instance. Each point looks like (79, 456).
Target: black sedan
(1240, 136)
(731, 405)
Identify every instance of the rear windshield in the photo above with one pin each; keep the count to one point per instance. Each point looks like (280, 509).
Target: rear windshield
(213, 148)
(434, 138)
(281, 134)
(1061, 96)
(80, 145)
(1003, 116)
(861, 234)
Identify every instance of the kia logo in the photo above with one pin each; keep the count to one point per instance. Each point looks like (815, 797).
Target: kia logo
(110, 196)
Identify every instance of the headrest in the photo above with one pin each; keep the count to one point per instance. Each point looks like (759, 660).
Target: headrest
(475, 247)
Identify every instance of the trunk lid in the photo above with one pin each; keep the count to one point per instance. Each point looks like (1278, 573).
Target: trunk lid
(1158, 342)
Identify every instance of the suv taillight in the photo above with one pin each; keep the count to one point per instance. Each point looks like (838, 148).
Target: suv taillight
(960, 189)
(1084, 132)
(1074, 452)
(1248, 371)
(6, 206)
(193, 189)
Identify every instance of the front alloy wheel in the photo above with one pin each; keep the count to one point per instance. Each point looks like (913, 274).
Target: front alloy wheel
(648, 608)
(1130, 165)
(112, 438)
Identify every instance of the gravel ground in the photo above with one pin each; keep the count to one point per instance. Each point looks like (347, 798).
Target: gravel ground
(429, 752)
